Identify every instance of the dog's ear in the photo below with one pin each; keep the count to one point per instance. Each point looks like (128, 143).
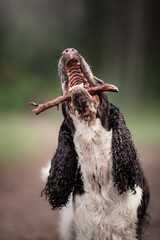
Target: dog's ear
(126, 171)
(62, 174)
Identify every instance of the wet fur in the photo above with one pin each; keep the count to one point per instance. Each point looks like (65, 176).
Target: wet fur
(66, 177)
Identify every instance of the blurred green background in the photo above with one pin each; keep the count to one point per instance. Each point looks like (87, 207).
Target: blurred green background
(120, 41)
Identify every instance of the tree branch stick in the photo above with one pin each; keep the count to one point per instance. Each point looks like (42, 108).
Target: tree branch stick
(92, 90)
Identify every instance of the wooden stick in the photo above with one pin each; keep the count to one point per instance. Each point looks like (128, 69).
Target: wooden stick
(92, 90)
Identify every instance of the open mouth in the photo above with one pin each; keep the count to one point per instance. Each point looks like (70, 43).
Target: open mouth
(76, 77)
(80, 77)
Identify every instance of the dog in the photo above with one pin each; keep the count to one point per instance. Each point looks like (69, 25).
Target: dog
(95, 176)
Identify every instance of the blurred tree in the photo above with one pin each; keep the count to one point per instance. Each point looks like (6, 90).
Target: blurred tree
(119, 38)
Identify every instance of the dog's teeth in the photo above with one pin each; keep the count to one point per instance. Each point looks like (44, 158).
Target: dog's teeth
(78, 85)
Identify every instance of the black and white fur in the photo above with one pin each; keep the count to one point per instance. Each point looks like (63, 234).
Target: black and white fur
(95, 175)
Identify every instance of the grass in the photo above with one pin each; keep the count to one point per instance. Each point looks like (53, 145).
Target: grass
(144, 127)
(19, 138)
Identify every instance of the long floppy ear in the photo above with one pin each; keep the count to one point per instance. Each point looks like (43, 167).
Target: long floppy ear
(62, 174)
(127, 173)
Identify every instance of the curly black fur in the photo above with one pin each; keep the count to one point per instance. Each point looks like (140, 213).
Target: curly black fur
(103, 111)
(65, 176)
(62, 176)
(127, 172)
(67, 117)
(143, 217)
(79, 186)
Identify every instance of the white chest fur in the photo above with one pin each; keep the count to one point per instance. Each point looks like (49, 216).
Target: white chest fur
(101, 213)
(93, 145)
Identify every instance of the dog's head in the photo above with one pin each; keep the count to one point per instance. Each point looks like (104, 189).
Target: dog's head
(76, 77)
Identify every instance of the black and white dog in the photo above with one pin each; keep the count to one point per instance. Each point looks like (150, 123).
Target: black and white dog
(95, 165)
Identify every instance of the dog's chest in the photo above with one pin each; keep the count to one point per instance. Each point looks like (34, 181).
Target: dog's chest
(100, 209)
(93, 146)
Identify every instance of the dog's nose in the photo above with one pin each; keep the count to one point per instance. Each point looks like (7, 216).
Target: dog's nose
(69, 51)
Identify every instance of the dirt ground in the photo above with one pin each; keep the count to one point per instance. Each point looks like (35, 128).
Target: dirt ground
(24, 215)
